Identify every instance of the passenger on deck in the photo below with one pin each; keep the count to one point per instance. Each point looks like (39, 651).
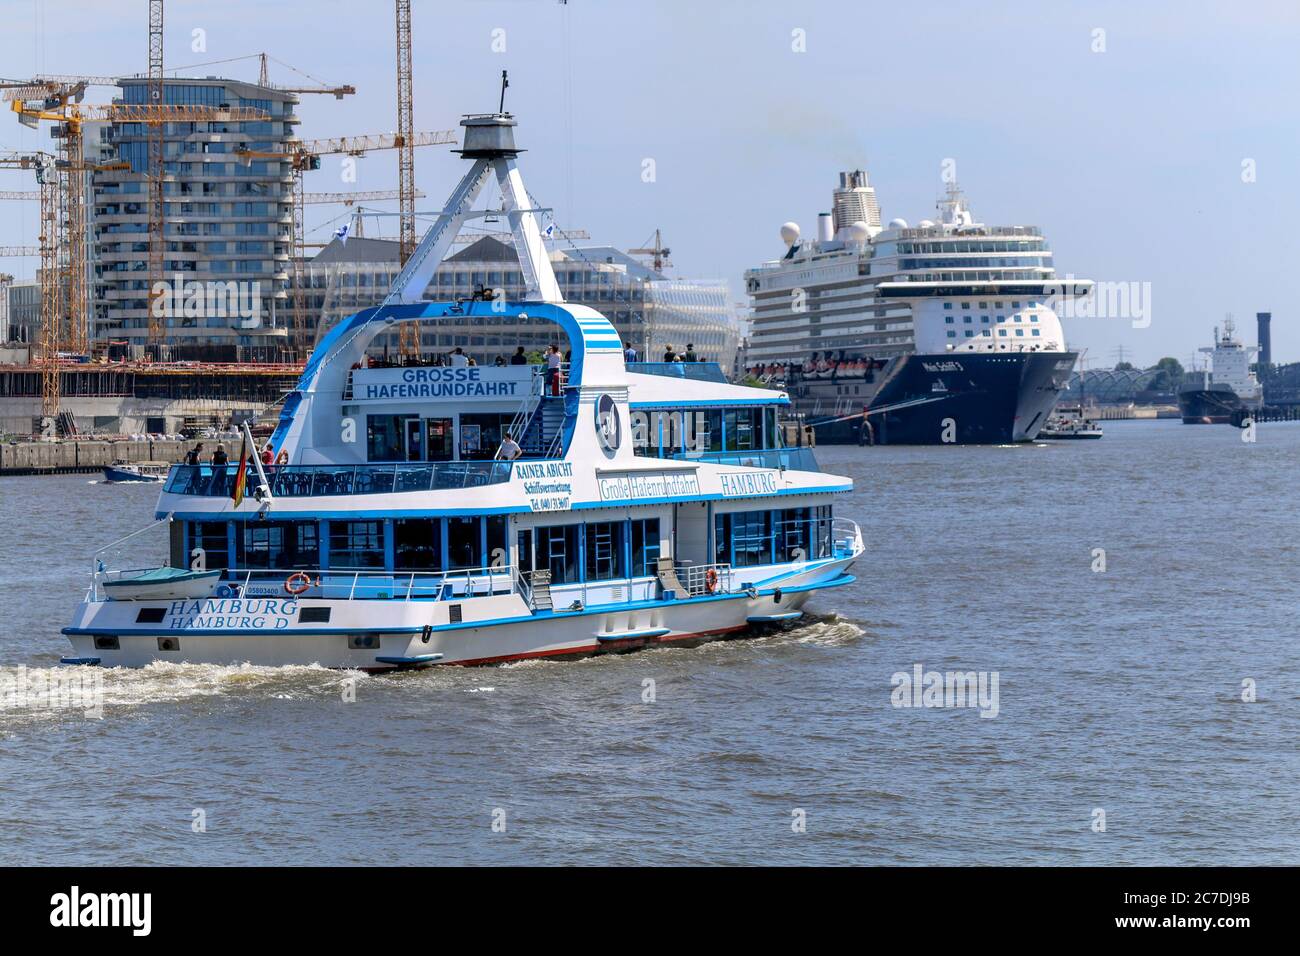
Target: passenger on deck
(193, 456)
(509, 449)
(219, 461)
(219, 457)
(669, 354)
(690, 355)
(267, 455)
(499, 361)
(458, 358)
(553, 369)
(629, 354)
(519, 358)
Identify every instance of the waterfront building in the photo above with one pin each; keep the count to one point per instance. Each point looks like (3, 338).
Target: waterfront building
(649, 310)
(227, 220)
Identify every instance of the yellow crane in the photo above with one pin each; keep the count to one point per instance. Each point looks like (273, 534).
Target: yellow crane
(409, 336)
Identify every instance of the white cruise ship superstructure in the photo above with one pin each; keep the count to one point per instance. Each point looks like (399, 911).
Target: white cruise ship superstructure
(939, 332)
(644, 508)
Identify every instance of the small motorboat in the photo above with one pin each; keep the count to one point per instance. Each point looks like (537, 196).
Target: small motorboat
(160, 584)
(136, 471)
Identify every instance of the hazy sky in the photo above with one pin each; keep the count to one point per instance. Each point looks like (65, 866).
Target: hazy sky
(1130, 159)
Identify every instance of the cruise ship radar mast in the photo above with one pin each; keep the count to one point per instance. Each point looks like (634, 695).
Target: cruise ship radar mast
(490, 143)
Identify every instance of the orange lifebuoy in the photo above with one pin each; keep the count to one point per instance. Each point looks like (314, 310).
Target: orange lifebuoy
(303, 582)
(711, 580)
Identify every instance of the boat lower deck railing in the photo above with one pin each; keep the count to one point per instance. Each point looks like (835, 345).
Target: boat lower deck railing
(695, 578)
(299, 481)
(795, 459)
(846, 537)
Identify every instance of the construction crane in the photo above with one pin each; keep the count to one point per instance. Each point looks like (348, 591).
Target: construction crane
(304, 156)
(155, 170)
(264, 79)
(19, 252)
(347, 199)
(43, 164)
(70, 222)
(659, 253)
(20, 194)
(409, 336)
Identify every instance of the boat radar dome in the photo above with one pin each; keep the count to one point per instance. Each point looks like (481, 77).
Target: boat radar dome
(925, 223)
(859, 231)
(790, 233)
(898, 224)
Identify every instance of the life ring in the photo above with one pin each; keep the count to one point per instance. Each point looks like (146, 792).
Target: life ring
(303, 582)
(711, 580)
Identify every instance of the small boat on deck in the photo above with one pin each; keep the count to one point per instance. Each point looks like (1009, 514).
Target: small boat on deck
(160, 584)
(147, 471)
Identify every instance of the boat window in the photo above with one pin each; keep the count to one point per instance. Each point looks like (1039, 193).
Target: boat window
(386, 437)
(642, 434)
(497, 550)
(285, 544)
(557, 551)
(480, 435)
(645, 546)
(211, 537)
(417, 544)
(795, 532)
(464, 543)
(604, 550)
(356, 544)
(742, 428)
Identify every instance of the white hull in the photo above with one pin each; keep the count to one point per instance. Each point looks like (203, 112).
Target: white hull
(414, 633)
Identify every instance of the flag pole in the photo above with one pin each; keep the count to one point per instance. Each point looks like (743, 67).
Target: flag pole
(257, 463)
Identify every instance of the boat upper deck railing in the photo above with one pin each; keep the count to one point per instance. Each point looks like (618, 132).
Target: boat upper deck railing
(300, 481)
(695, 371)
(800, 458)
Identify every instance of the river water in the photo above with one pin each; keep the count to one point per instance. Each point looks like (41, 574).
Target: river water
(1119, 695)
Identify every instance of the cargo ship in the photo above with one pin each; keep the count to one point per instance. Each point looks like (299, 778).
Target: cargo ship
(1228, 391)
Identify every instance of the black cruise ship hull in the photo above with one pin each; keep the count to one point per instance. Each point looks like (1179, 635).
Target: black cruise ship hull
(969, 399)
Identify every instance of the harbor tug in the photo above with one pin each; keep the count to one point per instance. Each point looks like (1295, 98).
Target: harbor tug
(647, 504)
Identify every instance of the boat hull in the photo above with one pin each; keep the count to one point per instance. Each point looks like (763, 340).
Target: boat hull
(961, 399)
(115, 473)
(1215, 405)
(379, 635)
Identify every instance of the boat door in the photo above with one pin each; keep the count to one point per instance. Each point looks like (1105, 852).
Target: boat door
(414, 440)
(439, 439)
(691, 533)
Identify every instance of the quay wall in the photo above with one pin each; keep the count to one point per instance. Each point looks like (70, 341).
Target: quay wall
(69, 457)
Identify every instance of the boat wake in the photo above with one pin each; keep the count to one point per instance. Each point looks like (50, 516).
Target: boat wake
(33, 695)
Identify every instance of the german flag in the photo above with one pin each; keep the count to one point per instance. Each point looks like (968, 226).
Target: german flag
(241, 476)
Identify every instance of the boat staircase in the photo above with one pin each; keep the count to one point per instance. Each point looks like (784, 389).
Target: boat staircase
(539, 591)
(541, 437)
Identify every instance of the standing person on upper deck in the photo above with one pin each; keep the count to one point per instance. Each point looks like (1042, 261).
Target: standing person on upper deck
(519, 358)
(669, 354)
(553, 369)
(629, 354)
(194, 455)
(458, 358)
(509, 449)
(690, 355)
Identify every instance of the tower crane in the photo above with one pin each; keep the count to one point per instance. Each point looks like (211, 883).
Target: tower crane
(659, 253)
(409, 336)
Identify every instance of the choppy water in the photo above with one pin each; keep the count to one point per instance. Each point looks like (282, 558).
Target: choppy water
(1118, 690)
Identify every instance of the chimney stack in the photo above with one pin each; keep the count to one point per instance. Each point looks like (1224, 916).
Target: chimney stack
(1263, 320)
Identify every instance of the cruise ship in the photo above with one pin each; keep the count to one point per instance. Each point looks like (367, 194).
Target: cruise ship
(941, 332)
(625, 505)
(1228, 391)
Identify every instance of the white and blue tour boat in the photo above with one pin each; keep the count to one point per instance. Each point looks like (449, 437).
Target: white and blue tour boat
(647, 504)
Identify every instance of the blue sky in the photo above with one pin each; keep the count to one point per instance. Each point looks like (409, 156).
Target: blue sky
(1130, 159)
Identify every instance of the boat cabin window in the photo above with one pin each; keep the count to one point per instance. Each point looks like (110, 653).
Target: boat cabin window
(748, 538)
(604, 550)
(278, 544)
(386, 437)
(557, 552)
(692, 432)
(645, 546)
(356, 544)
(213, 538)
(417, 544)
(480, 434)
